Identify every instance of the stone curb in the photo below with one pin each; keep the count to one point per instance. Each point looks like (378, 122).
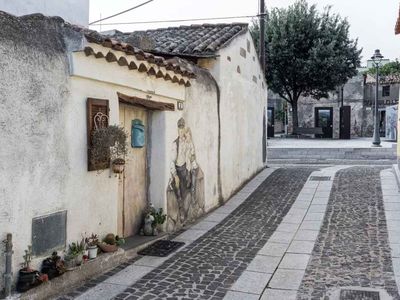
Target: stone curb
(397, 174)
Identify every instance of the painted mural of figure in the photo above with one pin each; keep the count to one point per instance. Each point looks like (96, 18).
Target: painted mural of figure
(185, 177)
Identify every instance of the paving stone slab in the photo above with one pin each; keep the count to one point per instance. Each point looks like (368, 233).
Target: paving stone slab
(306, 235)
(317, 208)
(286, 279)
(294, 261)
(314, 217)
(310, 225)
(273, 249)
(233, 295)
(288, 227)
(305, 247)
(264, 264)
(274, 294)
(104, 291)
(129, 275)
(282, 237)
(251, 282)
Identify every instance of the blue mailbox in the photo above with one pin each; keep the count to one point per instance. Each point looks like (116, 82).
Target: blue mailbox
(137, 134)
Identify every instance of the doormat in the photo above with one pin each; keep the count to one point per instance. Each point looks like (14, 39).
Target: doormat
(358, 295)
(320, 178)
(161, 248)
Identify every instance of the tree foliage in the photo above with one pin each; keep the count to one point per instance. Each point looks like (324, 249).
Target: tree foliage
(389, 69)
(307, 52)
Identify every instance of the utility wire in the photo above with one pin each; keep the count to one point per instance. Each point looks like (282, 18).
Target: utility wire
(120, 13)
(177, 20)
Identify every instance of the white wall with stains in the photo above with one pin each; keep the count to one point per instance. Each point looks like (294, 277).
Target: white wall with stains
(73, 11)
(243, 99)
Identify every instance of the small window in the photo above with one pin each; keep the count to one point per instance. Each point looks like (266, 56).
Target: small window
(386, 91)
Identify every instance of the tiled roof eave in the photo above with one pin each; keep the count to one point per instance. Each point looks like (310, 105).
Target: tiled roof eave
(129, 61)
(137, 53)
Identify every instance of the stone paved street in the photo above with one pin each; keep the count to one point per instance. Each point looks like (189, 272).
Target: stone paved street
(210, 265)
(352, 248)
(292, 233)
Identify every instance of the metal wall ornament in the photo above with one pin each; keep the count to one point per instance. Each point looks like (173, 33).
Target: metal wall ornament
(100, 120)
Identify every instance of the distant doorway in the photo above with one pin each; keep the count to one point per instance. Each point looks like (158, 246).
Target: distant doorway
(271, 122)
(382, 122)
(323, 119)
(345, 121)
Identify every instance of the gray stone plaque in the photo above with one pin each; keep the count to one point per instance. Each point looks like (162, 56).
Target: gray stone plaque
(49, 233)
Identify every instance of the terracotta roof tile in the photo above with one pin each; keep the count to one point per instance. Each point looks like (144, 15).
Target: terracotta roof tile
(138, 53)
(194, 40)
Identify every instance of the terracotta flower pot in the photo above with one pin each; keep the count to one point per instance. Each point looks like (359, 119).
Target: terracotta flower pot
(118, 168)
(107, 247)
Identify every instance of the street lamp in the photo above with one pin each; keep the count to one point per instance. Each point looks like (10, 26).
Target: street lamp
(376, 59)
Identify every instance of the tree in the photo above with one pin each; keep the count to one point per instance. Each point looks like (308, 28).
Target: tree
(389, 69)
(307, 53)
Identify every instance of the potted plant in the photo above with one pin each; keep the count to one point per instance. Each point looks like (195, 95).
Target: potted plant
(75, 253)
(159, 218)
(109, 144)
(118, 165)
(91, 245)
(53, 266)
(153, 220)
(111, 243)
(28, 277)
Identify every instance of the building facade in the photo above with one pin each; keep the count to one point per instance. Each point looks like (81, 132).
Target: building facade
(201, 133)
(358, 98)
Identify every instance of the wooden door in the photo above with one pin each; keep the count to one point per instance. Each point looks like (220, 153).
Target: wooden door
(133, 185)
(324, 119)
(271, 122)
(345, 122)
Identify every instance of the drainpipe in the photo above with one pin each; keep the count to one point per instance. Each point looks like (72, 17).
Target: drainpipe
(8, 273)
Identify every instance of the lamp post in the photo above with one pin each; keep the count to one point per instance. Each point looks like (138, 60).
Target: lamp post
(376, 59)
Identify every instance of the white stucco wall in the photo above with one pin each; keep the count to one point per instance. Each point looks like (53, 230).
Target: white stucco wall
(73, 11)
(44, 139)
(34, 162)
(242, 105)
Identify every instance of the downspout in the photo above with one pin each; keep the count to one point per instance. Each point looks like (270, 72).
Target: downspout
(8, 272)
(220, 197)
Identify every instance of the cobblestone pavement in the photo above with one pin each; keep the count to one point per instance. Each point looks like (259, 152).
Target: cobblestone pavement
(352, 248)
(210, 265)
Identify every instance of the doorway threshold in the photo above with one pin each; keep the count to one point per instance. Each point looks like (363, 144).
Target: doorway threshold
(136, 241)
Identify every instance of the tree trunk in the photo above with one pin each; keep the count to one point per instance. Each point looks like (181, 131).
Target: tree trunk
(295, 117)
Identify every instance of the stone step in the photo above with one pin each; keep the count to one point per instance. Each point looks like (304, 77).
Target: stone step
(332, 153)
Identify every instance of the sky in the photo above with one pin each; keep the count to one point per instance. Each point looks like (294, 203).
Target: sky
(370, 22)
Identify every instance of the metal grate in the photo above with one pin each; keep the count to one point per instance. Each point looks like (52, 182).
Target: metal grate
(359, 295)
(320, 178)
(161, 248)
